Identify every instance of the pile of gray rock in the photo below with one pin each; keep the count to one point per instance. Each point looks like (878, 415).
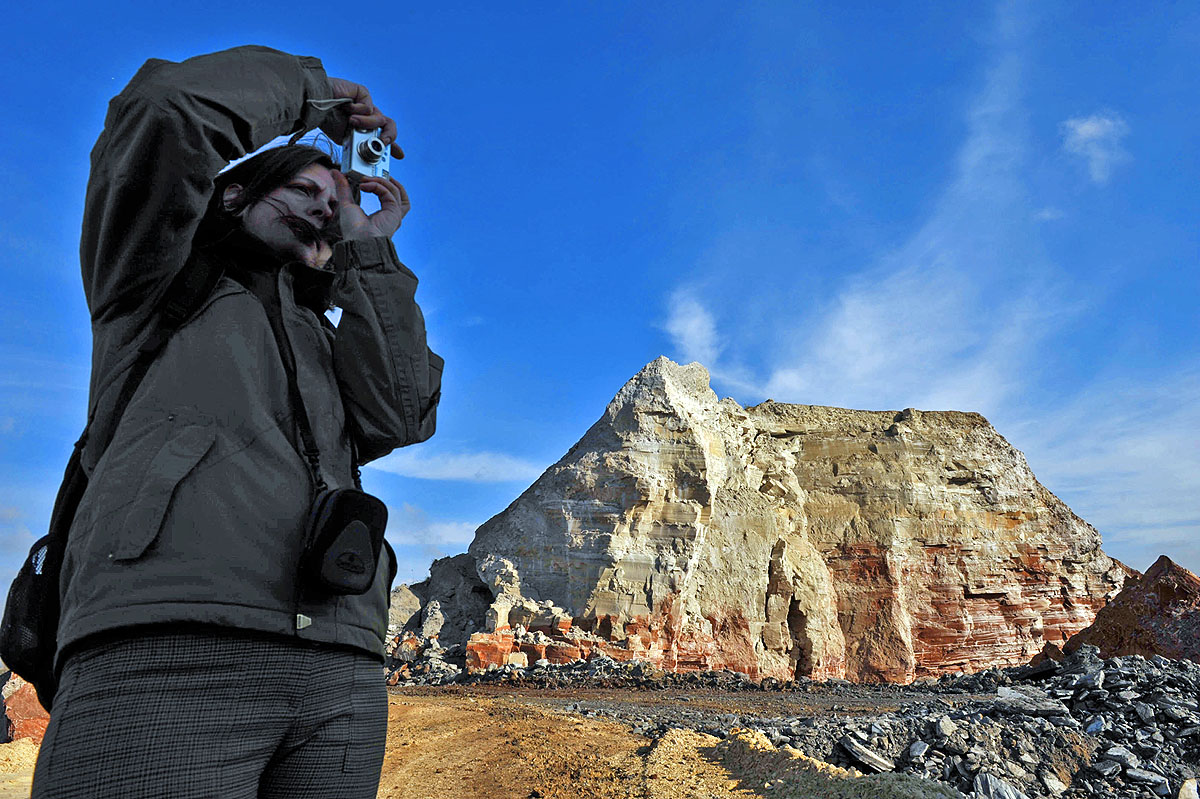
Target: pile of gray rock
(413, 659)
(1122, 728)
(416, 660)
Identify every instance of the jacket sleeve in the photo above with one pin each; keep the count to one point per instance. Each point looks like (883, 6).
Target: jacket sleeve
(389, 378)
(165, 137)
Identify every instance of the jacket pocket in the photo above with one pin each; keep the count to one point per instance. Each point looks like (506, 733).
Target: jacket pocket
(178, 456)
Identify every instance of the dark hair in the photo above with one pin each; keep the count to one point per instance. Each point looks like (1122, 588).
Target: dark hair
(258, 176)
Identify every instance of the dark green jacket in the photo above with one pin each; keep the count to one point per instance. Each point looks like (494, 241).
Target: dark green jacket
(197, 499)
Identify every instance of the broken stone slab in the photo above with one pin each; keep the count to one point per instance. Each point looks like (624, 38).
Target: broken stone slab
(1029, 701)
(1123, 756)
(1189, 790)
(1144, 776)
(988, 787)
(1038, 671)
(1173, 713)
(944, 727)
(862, 754)
(1053, 784)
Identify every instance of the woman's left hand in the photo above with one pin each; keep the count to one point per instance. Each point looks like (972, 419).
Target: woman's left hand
(360, 113)
(393, 205)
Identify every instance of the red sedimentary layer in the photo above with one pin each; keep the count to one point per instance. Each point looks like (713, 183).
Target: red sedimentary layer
(1158, 614)
(900, 623)
(956, 625)
(26, 716)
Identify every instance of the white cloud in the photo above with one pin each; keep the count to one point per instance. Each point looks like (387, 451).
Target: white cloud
(1097, 139)
(1126, 457)
(692, 329)
(412, 526)
(477, 467)
(418, 540)
(945, 320)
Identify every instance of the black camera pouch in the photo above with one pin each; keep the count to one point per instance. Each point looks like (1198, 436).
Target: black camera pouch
(345, 535)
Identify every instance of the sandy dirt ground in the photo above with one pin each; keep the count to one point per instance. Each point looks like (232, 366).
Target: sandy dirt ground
(485, 743)
(481, 747)
(16, 768)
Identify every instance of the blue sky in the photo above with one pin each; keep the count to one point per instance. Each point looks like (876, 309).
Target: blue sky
(950, 206)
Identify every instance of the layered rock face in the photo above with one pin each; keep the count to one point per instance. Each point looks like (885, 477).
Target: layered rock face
(1158, 614)
(783, 540)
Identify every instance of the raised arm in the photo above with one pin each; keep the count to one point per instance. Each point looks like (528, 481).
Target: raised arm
(165, 137)
(390, 380)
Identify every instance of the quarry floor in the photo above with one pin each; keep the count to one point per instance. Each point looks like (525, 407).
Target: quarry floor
(481, 742)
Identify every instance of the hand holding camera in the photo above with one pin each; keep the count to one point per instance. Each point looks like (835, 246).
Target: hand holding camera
(393, 205)
(360, 114)
(368, 139)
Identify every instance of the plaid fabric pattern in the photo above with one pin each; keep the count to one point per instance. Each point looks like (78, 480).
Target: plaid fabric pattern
(214, 714)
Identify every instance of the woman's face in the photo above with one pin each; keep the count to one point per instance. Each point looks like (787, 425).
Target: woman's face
(292, 219)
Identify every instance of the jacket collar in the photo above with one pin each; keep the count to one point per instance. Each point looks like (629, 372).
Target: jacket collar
(259, 268)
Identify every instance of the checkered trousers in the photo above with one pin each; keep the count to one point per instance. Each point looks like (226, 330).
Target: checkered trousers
(214, 714)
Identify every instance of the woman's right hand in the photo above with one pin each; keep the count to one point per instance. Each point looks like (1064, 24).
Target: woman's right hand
(360, 113)
(354, 222)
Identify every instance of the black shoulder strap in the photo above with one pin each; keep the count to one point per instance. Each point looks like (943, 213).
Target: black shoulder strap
(310, 452)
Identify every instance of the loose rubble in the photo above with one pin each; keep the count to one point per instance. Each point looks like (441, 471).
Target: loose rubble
(1123, 728)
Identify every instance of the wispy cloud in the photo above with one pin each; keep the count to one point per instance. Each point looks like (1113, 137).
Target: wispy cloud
(412, 525)
(692, 329)
(1097, 139)
(476, 467)
(944, 320)
(419, 539)
(1126, 456)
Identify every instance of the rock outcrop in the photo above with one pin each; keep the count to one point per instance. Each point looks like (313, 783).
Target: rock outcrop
(402, 607)
(24, 716)
(1157, 614)
(453, 601)
(783, 540)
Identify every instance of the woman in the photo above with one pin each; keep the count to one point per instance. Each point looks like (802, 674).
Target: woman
(195, 661)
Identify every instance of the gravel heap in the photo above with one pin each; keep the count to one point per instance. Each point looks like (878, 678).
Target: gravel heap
(1127, 727)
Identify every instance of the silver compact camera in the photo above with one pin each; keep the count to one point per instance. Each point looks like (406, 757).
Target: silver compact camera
(365, 154)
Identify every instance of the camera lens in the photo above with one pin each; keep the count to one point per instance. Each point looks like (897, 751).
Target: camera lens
(371, 150)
